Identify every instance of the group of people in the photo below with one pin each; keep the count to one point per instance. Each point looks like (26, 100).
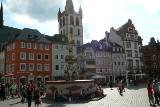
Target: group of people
(7, 90)
(31, 92)
(153, 89)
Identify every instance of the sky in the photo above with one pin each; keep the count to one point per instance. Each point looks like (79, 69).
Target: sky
(98, 16)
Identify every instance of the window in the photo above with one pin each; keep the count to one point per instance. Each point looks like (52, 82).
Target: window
(29, 45)
(129, 53)
(128, 44)
(46, 67)
(22, 45)
(56, 56)
(136, 53)
(22, 55)
(22, 66)
(39, 67)
(137, 63)
(31, 67)
(71, 20)
(57, 67)
(46, 57)
(78, 42)
(78, 32)
(71, 30)
(47, 47)
(130, 64)
(135, 45)
(62, 56)
(130, 29)
(13, 56)
(77, 21)
(41, 46)
(31, 56)
(39, 56)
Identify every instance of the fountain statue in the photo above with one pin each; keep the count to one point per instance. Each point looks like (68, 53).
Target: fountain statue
(71, 66)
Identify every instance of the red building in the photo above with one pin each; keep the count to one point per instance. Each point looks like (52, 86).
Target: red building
(28, 57)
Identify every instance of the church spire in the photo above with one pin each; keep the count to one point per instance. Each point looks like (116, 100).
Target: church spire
(1, 16)
(69, 6)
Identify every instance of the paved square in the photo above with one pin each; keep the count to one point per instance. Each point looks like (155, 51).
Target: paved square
(135, 97)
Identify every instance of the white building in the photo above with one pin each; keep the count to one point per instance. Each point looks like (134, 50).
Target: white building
(127, 37)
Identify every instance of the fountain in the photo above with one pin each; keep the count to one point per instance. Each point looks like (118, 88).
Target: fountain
(71, 86)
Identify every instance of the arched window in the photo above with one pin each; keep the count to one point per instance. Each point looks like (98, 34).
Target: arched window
(71, 20)
(71, 30)
(78, 31)
(63, 21)
(77, 21)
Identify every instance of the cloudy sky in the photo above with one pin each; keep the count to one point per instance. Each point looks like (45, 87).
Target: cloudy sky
(98, 16)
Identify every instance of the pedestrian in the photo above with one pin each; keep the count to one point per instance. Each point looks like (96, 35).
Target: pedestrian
(156, 91)
(150, 94)
(23, 93)
(37, 97)
(111, 85)
(3, 92)
(29, 94)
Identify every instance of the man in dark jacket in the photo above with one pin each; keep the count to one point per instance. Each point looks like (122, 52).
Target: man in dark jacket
(29, 94)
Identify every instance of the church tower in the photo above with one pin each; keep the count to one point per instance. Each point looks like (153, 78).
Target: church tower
(71, 22)
(1, 16)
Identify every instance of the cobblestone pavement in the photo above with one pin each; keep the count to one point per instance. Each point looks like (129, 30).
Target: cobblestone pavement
(131, 98)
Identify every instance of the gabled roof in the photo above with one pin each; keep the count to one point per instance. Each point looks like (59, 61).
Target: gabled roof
(121, 31)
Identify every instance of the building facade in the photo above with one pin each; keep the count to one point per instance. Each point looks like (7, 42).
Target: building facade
(29, 57)
(151, 58)
(70, 22)
(98, 60)
(127, 37)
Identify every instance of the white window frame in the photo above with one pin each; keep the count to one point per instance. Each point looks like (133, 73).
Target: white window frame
(21, 68)
(31, 56)
(39, 65)
(46, 67)
(31, 68)
(22, 44)
(21, 55)
(29, 45)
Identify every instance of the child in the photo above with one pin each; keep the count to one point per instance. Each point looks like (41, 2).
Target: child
(150, 94)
